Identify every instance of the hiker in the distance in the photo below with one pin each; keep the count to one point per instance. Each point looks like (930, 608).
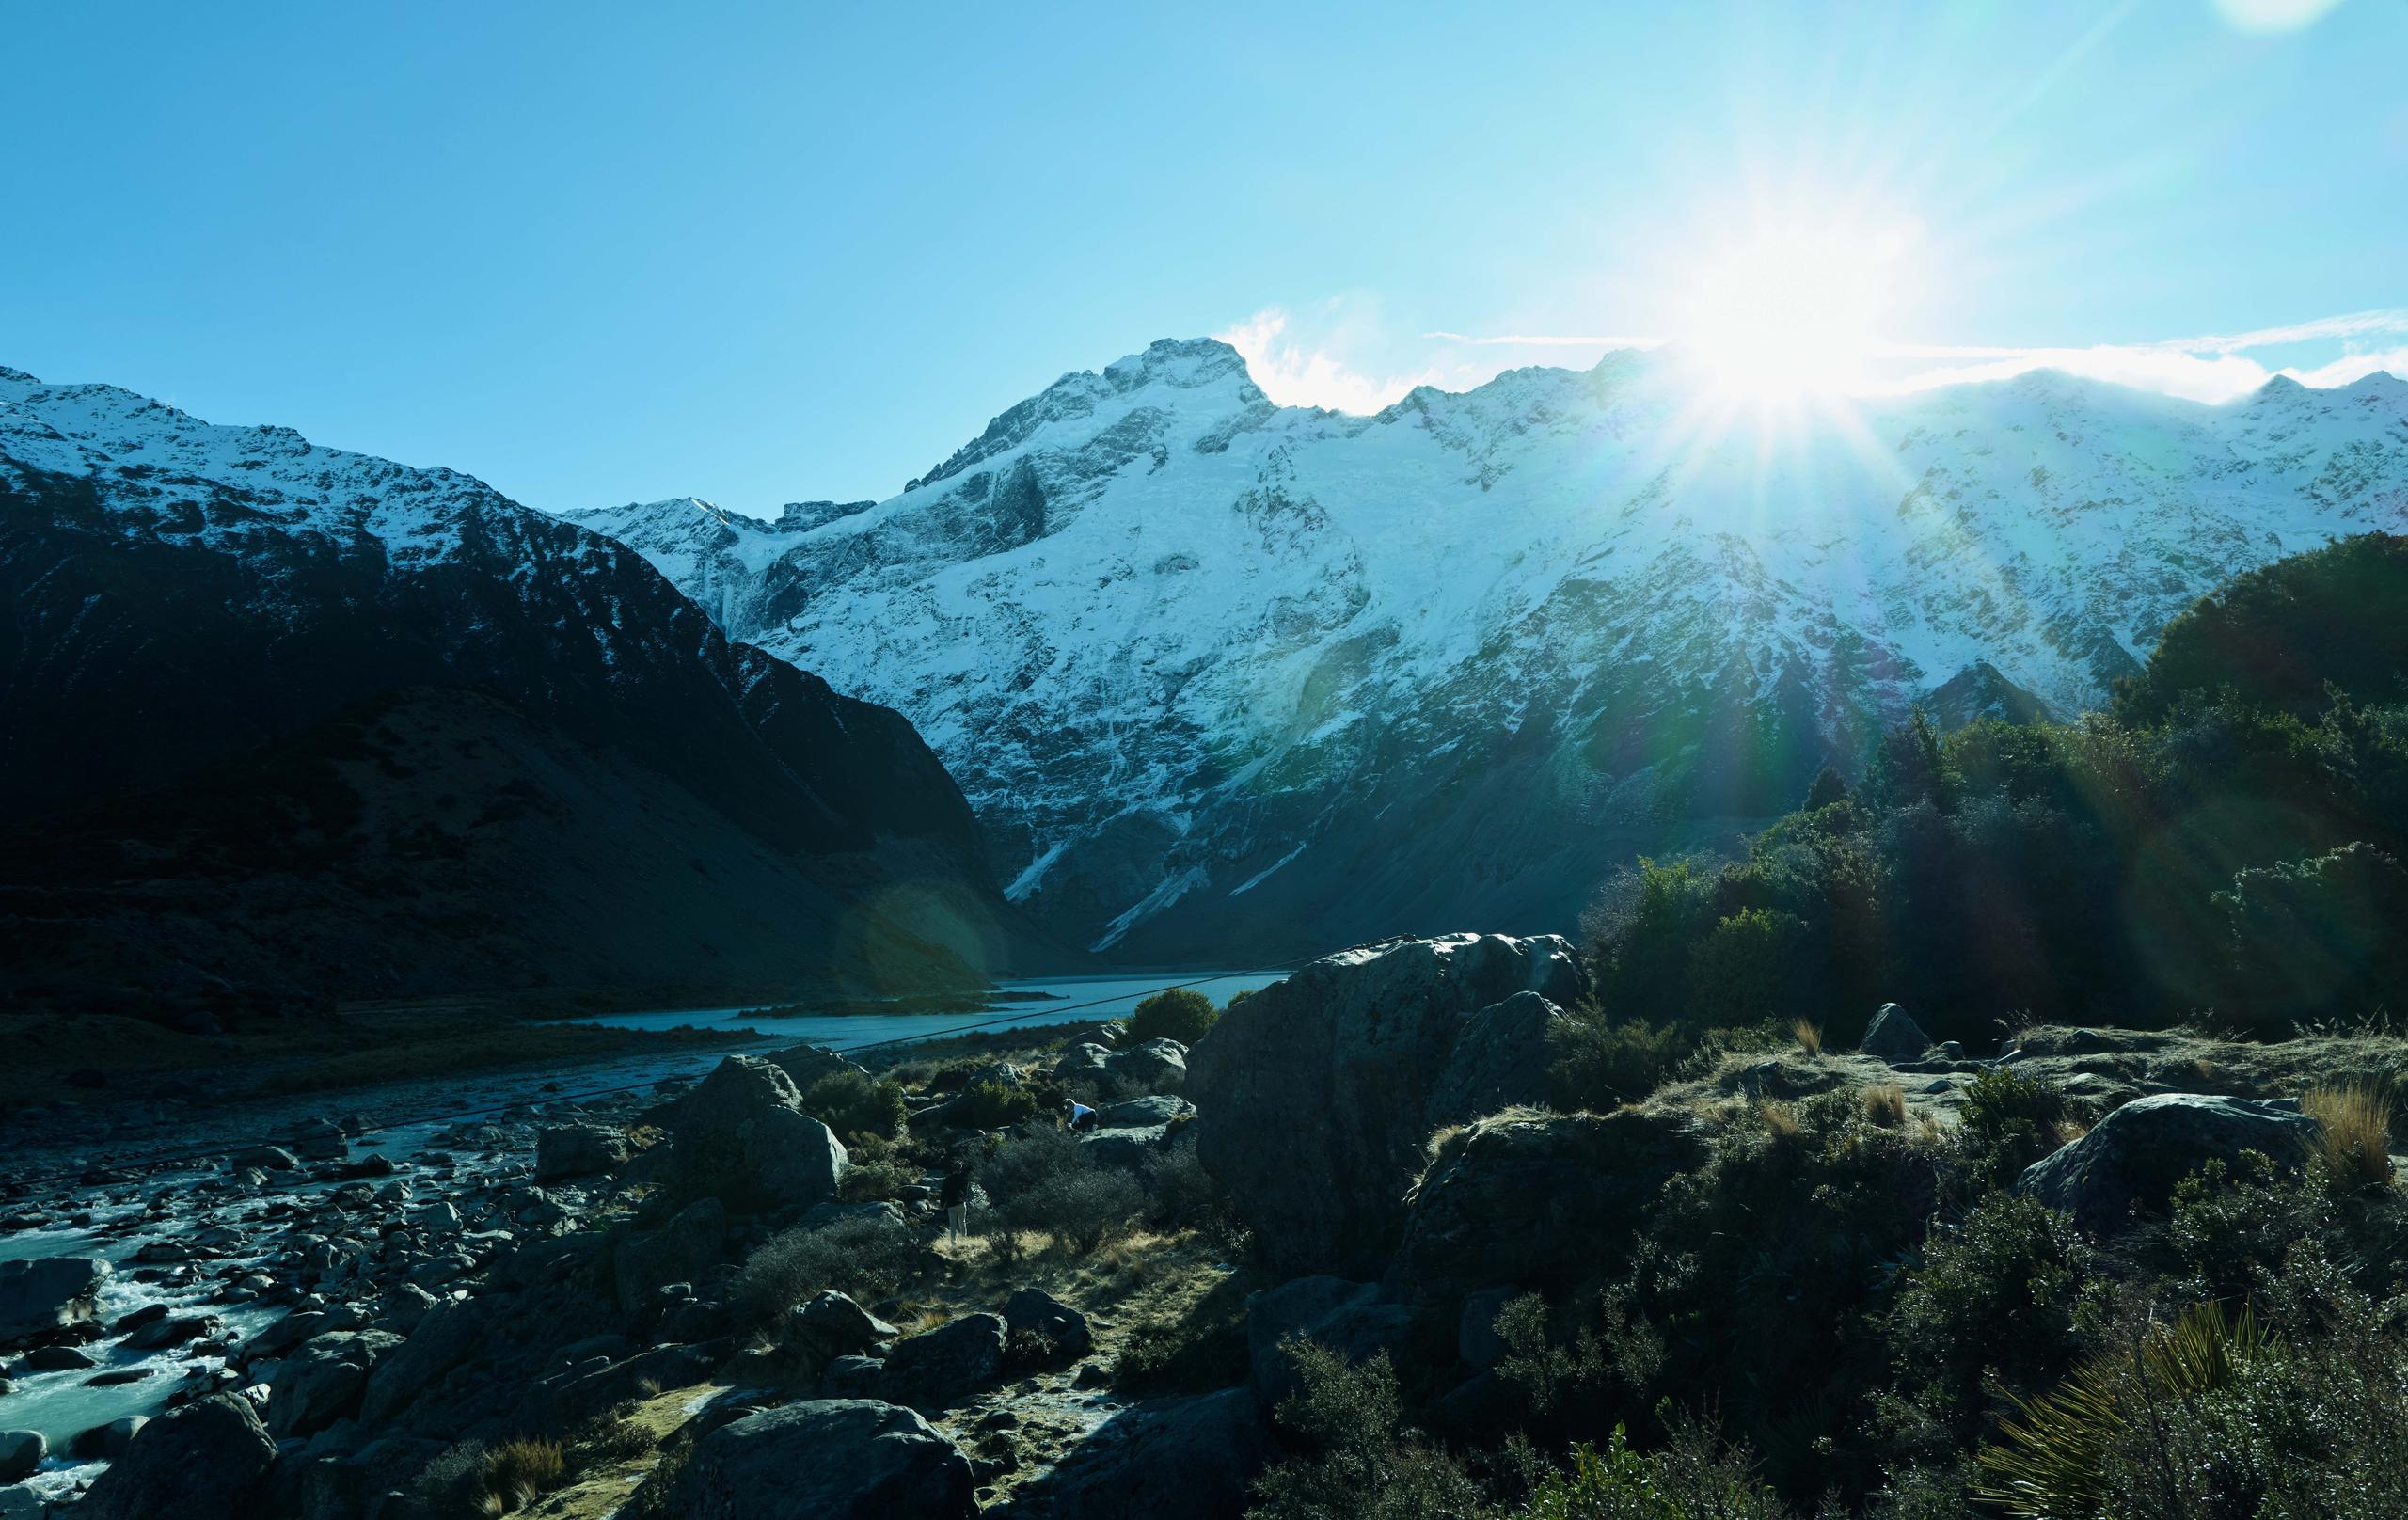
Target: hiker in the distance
(1077, 1115)
(955, 1197)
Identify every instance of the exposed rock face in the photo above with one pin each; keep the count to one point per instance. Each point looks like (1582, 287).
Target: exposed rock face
(557, 729)
(1176, 1459)
(1340, 1316)
(322, 1380)
(807, 1064)
(681, 1250)
(1035, 1309)
(21, 1452)
(1536, 1201)
(1157, 1067)
(1273, 676)
(1894, 1037)
(1317, 1095)
(835, 1459)
(742, 1136)
(564, 1150)
(2136, 1154)
(49, 1294)
(203, 1461)
(941, 1368)
(443, 1340)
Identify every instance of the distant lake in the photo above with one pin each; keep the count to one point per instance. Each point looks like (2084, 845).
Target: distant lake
(1073, 1000)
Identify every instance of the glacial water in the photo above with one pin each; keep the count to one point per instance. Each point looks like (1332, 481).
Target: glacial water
(1067, 1000)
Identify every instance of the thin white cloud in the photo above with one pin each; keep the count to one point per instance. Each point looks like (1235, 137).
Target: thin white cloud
(2272, 15)
(1547, 339)
(1295, 373)
(2355, 325)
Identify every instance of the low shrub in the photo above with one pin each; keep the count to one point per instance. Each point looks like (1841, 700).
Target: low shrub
(1599, 1065)
(856, 1103)
(994, 1104)
(868, 1259)
(1081, 1207)
(1023, 1162)
(2009, 1121)
(1182, 1014)
(1993, 1299)
(1356, 1457)
(1693, 1479)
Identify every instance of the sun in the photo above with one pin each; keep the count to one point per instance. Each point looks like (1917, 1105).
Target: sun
(1790, 312)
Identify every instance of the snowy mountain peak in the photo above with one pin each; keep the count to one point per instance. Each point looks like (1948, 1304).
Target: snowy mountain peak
(1211, 668)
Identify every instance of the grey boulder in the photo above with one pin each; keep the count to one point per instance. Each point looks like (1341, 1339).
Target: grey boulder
(580, 1150)
(203, 1461)
(1176, 1459)
(322, 1380)
(47, 1294)
(1317, 1095)
(942, 1367)
(832, 1459)
(1893, 1037)
(742, 1136)
(21, 1452)
(2136, 1154)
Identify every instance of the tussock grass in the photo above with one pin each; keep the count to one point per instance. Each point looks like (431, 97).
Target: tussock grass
(1885, 1104)
(1781, 1120)
(1810, 1036)
(517, 1473)
(2354, 1132)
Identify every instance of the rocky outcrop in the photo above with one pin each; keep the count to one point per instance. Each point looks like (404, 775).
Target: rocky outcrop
(1536, 1200)
(21, 1452)
(938, 1368)
(741, 1136)
(830, 1459)
(580, 1150)
(1317, 1094)
(1895, 1037)
(323, 1382)
(2133, 1157)
(1176, 1459)
(44, 1296)
(1038, 1312)
(682, 1250)
(1154, 1068)
(1331, 1312)
(203, 1461)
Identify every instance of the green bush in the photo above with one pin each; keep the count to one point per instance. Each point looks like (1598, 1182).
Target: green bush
(855, 1103)
(1357, 1458)
(994, 1104)
(1739, 971)
(869, 1259)
(1692, 1480)
(2009, 1121)
(1994, 1297)
(1081, 1207)
(1182, 1014)
(1599, 1065)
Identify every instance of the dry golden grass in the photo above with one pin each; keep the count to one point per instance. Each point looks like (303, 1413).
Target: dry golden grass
(1810, 1036)
(1885, 1104)
(2354, 1131)
(1781, 1120)
(517, 1473)
(2067, 1131)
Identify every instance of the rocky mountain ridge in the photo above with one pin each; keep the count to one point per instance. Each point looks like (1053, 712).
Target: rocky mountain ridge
(1214, 670)
(449, 741)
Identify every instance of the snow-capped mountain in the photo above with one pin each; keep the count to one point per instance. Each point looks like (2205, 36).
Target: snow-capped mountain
(1217, 673)
(477, 744)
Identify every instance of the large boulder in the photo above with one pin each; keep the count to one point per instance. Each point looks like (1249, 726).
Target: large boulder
(322, 1380)
(683, 1250)
(1536, 1200)
(741, 1136)
(832, 1325)
(1331, 1312)
(807, 1064)
(203, 1461)
(1317, 1094)
(832, 1459)
(1175, 1458)
(1038, 1312)
(46, 1295)
(941, 1368)
(1156, 1067)
(580, 1150)
(1893, 1037)
(21, 1453)
(445, 1337)
(2136, 1154)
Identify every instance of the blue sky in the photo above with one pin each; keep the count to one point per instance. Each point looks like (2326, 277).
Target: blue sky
(602, 253)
